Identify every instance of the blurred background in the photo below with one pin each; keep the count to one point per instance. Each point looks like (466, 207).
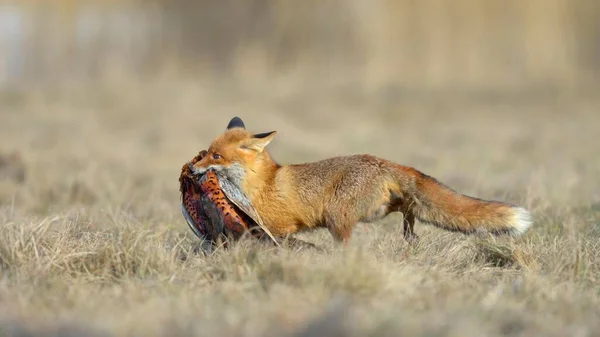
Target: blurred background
(499, 90)
(363, 44)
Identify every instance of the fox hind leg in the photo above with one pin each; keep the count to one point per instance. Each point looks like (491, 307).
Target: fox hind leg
(403, 206)
(409, 224)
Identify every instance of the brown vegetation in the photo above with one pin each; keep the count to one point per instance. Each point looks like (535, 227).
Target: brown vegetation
(93, 241)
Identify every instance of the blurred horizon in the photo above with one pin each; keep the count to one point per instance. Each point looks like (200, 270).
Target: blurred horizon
(363, 45)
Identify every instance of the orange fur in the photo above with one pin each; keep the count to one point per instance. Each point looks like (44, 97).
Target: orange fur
(336, 193)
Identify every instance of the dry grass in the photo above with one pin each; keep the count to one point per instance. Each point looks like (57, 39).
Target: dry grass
(94, 129)
(93, 242)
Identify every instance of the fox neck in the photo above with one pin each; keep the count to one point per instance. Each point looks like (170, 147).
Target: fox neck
(260, 176)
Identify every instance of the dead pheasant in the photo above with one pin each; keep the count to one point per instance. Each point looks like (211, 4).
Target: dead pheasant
(215, 209)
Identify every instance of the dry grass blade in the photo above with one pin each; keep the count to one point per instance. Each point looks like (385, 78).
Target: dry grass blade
(504, 254)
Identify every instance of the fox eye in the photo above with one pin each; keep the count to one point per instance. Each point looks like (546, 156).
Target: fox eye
(216, 156)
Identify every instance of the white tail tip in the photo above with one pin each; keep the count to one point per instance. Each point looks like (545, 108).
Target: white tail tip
(521, 220)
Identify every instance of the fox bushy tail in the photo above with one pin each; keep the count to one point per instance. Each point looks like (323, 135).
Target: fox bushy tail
(439, 205)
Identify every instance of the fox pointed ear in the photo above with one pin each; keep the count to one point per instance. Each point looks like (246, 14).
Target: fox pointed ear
(236, 122)
(259, 141)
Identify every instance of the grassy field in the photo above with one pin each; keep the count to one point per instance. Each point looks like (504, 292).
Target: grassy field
(93, 242)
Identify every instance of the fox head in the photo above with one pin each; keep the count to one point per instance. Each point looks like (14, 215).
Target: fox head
(236, 152)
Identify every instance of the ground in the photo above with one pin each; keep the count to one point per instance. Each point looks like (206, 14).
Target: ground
(93, 242)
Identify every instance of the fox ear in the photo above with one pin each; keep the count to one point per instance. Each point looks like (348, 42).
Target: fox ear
(259, 141)
(236, 122)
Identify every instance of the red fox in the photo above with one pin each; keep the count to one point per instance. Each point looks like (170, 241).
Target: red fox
(339, 192)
